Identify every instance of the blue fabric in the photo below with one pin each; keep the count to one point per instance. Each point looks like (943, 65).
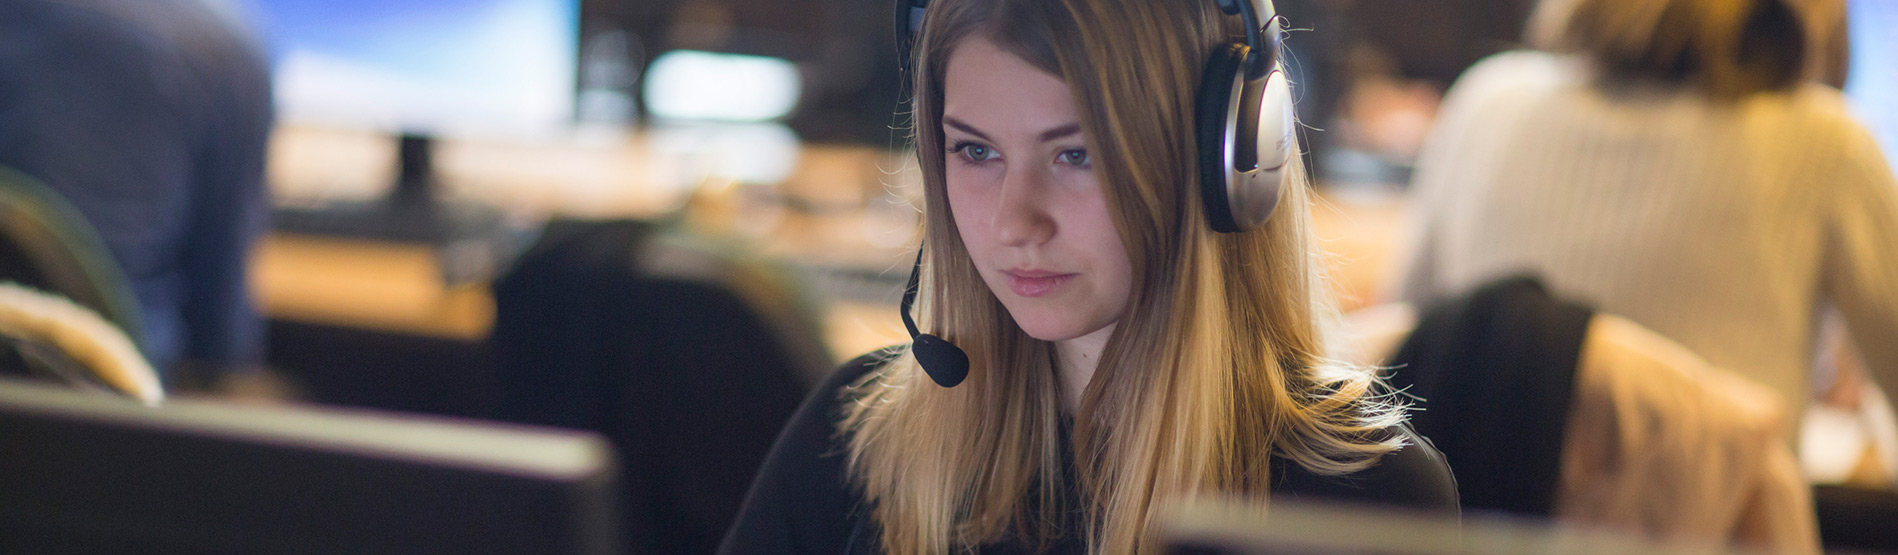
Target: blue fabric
(151, 117)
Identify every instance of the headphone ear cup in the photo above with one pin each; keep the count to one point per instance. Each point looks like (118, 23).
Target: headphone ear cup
(1276, 123)
(1243, 132)
(1215, 114)
(1263, 145)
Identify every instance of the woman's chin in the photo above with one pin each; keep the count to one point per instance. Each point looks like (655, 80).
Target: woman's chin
(1052, 327)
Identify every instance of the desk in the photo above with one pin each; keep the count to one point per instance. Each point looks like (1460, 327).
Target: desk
(397, 288)
(364, 284)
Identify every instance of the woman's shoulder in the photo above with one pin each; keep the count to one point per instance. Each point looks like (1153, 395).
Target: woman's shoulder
(1821, 120)
(1827, 105)
(1416, 476)
(817, 422)
(853, 371)
(1503, 93)
(822, 411)
(1518, 74)
(802, 500)
(1523, 66)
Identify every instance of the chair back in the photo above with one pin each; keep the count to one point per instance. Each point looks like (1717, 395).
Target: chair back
(47, 245)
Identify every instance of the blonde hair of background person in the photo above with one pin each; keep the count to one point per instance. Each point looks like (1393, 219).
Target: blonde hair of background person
(1218, 361)
(1727, 48)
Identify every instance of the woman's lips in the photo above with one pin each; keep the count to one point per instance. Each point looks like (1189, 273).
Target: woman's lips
(1035, 283)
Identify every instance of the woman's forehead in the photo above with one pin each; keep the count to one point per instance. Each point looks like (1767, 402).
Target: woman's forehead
(992, 89)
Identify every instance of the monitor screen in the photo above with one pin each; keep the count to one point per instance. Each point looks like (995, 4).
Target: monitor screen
(82, 472)
(434, 67)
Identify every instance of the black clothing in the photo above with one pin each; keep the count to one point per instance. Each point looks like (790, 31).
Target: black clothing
(803, 501)
(686, 358)
(1494, 372)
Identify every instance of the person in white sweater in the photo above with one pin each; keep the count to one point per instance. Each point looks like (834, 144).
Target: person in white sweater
(1667, 161)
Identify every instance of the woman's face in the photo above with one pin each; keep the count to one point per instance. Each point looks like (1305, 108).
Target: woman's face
(1025, 197)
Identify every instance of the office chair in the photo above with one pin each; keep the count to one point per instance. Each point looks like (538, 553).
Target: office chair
(688, 357)
(69, 307)
(46, 244)
(1549, 410)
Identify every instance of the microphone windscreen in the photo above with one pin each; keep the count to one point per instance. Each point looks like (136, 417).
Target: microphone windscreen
(943, 361)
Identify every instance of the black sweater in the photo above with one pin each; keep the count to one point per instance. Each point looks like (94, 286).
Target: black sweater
(803, 501)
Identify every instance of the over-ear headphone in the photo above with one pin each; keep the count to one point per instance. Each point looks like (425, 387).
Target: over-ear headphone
(1242, 122)
(1242, 130)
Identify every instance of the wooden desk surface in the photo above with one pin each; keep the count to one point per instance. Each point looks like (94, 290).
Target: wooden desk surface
(366, 284)
(397, 288)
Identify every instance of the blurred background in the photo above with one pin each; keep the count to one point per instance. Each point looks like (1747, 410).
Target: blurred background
(772, 125)
(568, 212)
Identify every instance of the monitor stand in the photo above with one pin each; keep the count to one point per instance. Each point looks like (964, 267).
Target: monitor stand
(473, 240)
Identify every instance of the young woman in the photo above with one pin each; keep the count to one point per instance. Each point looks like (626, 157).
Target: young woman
(1122, 354)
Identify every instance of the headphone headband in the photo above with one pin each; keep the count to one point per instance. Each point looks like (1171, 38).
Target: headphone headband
(908, 21)
(1264, 43)
(1258, 15)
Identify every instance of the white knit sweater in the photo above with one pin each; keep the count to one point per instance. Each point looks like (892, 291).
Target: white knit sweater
(1723, 227)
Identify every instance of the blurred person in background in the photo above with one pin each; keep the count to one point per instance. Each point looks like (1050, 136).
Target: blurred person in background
(1673, 162)
(151, 118)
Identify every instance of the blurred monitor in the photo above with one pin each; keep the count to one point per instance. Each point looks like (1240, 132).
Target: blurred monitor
(1872, 78)
(710, 86)
(1287, 527)
(83, 472)
(843, 53)
(423, 69)
(426, 67)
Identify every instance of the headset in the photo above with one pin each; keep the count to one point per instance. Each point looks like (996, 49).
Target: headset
(1243, 132)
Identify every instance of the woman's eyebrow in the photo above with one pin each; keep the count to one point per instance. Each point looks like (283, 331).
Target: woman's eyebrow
(965, 128)
(1063, 130)
(1057, 132)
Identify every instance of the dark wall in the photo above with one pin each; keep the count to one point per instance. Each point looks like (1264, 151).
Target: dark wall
(843, 47)
(1437, 39)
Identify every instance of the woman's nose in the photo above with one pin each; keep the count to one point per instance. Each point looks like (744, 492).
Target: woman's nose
(1021, 215)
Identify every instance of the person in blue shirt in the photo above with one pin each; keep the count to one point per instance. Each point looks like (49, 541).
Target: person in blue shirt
(151, 117)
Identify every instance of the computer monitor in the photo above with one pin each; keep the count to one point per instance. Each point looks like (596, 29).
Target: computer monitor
(88, 473)
(421, 70)
(425, 67)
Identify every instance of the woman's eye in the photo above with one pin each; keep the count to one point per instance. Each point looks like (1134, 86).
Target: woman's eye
(1077, 157)
(974, 152)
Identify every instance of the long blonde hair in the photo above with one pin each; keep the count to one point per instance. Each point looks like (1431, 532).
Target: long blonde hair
(1218, 364)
